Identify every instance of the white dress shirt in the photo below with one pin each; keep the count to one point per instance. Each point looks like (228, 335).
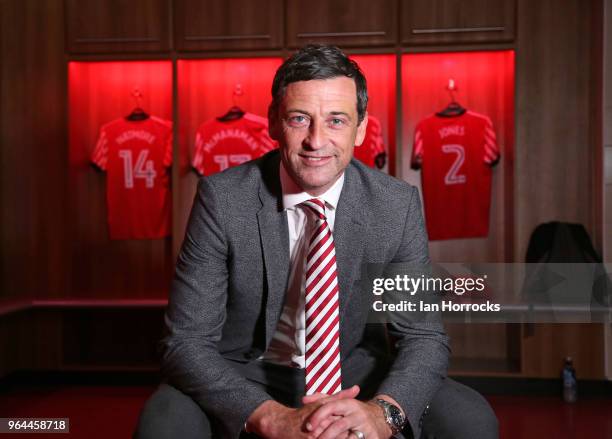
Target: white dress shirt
(288, 345)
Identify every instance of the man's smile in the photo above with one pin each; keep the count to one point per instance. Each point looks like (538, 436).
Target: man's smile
(315, 160)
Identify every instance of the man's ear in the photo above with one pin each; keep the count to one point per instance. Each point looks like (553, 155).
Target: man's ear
(273, 123)
(361, 130)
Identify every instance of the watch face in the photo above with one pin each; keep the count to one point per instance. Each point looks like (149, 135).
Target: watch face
(396, 417)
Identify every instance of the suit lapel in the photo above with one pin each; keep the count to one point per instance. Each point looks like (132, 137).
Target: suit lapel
(274, 235)
(349, 228)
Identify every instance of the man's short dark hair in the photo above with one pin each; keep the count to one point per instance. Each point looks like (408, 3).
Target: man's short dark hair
(319, 62)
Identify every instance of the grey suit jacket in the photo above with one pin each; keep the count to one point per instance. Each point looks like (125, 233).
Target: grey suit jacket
(232, 274)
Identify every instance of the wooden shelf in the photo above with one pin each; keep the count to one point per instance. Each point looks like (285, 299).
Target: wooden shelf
(10, 306)
(83, 367)
(100, 303)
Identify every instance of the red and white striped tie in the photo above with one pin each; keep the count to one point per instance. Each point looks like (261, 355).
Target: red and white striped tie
(322, 307)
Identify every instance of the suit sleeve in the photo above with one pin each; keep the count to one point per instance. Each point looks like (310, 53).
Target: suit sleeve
(195, 317)
(421, 361)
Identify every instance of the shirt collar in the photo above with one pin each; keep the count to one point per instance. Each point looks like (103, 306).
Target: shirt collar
(294, 195)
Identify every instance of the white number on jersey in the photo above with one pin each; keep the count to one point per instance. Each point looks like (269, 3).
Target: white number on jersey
(226, 160)
(143, 169)
(453, 176)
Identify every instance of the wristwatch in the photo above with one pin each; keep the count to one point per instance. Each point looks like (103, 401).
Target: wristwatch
(393, 416)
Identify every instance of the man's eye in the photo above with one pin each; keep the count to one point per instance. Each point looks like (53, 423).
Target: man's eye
(336, 122)
(298, 120)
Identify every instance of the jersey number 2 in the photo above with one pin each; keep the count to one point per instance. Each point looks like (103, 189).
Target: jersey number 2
(453, 176)
(143, 169)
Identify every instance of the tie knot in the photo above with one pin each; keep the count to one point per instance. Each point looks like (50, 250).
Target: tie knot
(317, 206)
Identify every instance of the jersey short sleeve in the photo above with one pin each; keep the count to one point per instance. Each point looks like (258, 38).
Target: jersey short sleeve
(491, 150)
(372, 150)
(416, 160)
(100, 153)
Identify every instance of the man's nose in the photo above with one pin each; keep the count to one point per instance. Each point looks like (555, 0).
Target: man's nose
(317, 136)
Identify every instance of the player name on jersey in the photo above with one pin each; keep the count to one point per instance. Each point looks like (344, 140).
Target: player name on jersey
(222, 144)
(135, 156)
(456, 155)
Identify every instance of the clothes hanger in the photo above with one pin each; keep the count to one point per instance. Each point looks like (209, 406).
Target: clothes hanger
(453, 109)
(137, 113)
(235, 112)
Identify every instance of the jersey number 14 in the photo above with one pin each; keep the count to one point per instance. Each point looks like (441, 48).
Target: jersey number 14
(142, 169)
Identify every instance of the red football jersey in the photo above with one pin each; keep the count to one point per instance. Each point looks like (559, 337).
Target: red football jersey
(222, 144)
(456, 155)
(372, 150)
(136, 155)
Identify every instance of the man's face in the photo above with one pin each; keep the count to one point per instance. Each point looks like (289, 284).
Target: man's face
(316, 126)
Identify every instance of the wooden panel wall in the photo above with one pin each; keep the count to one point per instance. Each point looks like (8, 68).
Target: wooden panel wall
(457, 21)
(341, 22)
(553, 165)
(33, 152)
(219, 25)
(543, 353)
(607, 139)
(114, 26)
(30, 340)
(596, 114)
(607, 153)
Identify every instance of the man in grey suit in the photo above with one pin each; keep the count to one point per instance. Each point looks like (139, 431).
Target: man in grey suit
(235, 356)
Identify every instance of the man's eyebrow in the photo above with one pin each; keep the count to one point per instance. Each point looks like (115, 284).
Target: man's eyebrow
(297, 110)
(340, 113)
(331, 113)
